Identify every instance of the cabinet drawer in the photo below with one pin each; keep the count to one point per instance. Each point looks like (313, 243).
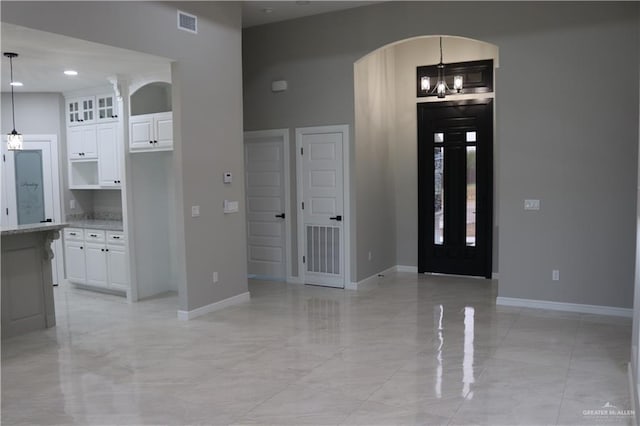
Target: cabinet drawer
(94, 236)
(115, 238)
(73, 234)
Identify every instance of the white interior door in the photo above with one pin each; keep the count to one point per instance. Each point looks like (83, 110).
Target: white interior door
(266, 205)
(31, 190)
(321, 192)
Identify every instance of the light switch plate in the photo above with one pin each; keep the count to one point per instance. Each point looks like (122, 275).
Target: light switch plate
(228, 177)
(532, 204)
(230, 206)
(195, 211)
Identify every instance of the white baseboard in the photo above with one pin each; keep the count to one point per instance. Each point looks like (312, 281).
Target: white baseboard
(568, 307)
(369, 280)
(294, 280)
(495, 276)
(403, 268)
(633, 391)
(212, 307)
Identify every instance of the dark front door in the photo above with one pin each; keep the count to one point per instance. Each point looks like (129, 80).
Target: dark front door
(455, 153)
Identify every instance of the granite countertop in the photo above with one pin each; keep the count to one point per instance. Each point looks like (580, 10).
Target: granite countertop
(107, 225)
(33, 227)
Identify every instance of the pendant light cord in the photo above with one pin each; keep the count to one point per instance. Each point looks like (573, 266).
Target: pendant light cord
(13, 110)
(440, 53)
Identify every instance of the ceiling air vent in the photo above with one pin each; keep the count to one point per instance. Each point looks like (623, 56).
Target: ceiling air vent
(187, 22)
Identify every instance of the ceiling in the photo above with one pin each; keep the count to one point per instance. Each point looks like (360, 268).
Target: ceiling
(44, 56)
(265, 12)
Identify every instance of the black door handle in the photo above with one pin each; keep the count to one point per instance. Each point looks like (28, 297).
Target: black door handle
(338, 218)
(47, 220)
(281, 216)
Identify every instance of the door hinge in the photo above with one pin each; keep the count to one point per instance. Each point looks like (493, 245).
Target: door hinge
(301, 151)
(303, 205)
(7, 209)
(4, 159)
(304, 259)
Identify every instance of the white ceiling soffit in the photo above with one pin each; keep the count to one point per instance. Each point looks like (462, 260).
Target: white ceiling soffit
(266, 12)
(44, 56)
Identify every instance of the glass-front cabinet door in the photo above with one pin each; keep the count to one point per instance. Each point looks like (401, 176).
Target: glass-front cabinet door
(106, 108)
(81, 110)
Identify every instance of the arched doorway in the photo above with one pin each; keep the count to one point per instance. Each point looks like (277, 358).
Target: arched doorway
(386, 138)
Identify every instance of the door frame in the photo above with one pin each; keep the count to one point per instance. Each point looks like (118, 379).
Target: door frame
(259, 136)
(346, 195)
(52, 140)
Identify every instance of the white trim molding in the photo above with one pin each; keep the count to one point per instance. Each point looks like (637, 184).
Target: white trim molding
(633, 391)
(568, 307)
(404, 268)
(350, 285)
(212, 307)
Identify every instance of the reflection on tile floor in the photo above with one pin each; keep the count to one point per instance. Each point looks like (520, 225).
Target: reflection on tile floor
(410, 350)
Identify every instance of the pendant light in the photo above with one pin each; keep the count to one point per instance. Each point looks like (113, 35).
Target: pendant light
(441, 88)
(14, 139)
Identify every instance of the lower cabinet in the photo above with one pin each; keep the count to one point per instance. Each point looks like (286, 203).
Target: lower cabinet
(96, 258)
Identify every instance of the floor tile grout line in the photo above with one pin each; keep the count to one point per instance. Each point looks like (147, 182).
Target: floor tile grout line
(566, 379)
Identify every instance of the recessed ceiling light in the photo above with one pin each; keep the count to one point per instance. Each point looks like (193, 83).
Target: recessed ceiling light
(70, 72)
(16, 84)
(267, 10)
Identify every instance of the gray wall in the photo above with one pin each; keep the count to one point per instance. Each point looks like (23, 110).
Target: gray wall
(207, 104)
(560, 137)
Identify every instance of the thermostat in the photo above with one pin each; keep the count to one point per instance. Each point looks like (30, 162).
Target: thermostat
(227, 177)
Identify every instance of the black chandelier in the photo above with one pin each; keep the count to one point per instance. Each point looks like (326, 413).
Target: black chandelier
(441, 88)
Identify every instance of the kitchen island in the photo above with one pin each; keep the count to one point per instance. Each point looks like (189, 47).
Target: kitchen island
(27, 289)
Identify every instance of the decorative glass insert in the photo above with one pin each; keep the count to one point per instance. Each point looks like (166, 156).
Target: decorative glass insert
(471, 196)
(471, 136)
(29, 186)
(438, 137)
(438, 199)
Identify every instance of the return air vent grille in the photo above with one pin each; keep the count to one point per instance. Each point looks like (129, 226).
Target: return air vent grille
(187, 22)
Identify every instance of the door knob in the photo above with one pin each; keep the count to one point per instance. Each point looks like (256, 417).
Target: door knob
(281, 216)
(338, 218)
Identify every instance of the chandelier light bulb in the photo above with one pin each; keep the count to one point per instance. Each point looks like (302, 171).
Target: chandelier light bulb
(425, 83)
(457, 83)
(441, 89)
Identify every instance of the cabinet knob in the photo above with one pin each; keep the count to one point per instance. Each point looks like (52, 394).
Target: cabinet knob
(101, 249)
(106, 249)
(81, 247)
(150, 141)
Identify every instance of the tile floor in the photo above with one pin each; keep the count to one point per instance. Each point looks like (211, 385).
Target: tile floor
(410, 350)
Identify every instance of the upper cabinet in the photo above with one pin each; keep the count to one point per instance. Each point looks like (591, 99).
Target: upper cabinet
(106, 108)
(92, 109)
(151, 121)
(93, 141)
(81, 110)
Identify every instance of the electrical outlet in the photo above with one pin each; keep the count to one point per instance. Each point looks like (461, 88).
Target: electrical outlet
(532, 204)
(215, 277)
(72, 204)
(555, 275)
(195, 211)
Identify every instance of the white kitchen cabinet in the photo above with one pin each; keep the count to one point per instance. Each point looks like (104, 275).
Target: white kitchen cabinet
(81, 110)
(74, 255)
(82, 142)
(109, 170)
(106, 108)
(151, 132)
(96, 264)
(117, 261)
(96, 258)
